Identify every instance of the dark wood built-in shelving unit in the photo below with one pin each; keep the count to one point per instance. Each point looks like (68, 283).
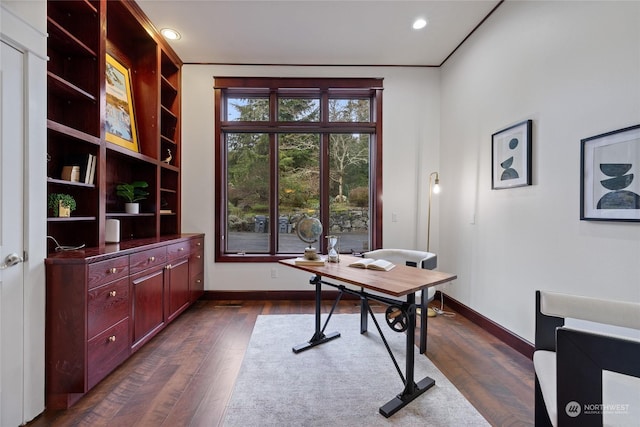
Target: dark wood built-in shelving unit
(81, 34)
(106, 300)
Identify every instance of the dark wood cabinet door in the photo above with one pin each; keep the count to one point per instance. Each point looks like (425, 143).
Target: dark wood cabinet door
(147, 308)
(179, 295)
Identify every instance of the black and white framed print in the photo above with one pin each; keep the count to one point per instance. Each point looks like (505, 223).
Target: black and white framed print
(610, 176)
(511, 156)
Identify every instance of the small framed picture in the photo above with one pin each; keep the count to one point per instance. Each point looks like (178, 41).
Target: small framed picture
(511, 156)
(120, 121)
(610, 176)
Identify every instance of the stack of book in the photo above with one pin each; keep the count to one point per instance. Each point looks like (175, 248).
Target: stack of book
(304, 261)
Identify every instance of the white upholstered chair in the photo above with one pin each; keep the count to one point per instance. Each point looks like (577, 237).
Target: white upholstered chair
(586, 353)
(418, 259)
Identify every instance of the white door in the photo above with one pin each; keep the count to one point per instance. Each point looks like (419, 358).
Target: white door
(11, 235)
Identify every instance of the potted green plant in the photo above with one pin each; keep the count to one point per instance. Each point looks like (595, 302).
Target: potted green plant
(61, 204)
(132, 193)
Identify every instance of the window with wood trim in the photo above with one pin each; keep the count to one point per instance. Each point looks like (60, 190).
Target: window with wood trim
(287, 148)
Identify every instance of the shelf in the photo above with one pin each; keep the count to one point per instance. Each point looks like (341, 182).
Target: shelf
(77, 7)
(167, 140)
(63, 87)
(71, 219)
(70, 183)
(170, 167)
(71, 132)
(130, 153)
(128, 215)
(168, 113)
(166, 85)
(60, 39)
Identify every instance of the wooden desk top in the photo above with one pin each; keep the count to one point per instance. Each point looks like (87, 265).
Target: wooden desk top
(399, 281)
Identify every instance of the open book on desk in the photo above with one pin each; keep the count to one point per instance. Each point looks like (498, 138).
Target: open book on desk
(373, 264)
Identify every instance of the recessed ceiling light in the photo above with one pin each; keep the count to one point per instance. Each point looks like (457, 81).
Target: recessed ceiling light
(419, 23)
(170, 34)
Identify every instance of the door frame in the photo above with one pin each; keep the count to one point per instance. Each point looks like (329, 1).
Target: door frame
(23, 27)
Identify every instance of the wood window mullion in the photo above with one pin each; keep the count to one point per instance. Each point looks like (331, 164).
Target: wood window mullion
(324, 189)
(273, 194)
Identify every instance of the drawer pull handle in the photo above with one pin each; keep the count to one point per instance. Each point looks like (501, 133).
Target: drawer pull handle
(113, 270)
(198, 256)
(198, 281)
(180, 249)
(152, 258)
(112, 338)
(112, 293)
(199, 244)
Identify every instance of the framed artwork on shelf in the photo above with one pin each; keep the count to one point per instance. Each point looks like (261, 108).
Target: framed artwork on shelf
(120, 120)
(610, 176)
(511, 156)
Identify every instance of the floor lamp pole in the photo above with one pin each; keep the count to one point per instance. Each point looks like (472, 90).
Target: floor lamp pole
(434, 189)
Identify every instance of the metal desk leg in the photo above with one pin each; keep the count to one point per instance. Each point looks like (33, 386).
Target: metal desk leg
(318, 337)
(423, 321)
(364, 313)
(411, 389)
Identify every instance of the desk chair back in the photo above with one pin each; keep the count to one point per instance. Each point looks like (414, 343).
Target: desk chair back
(418, 259)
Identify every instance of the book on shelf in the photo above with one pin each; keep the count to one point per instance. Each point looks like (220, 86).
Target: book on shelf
(91, 170)
(166, 211)
(373, 264)
(304, 261)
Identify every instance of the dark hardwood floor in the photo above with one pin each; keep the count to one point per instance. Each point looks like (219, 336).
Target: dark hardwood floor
(185, 375)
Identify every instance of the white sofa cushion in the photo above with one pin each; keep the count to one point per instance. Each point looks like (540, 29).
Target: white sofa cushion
(544, 363)
(618, 313)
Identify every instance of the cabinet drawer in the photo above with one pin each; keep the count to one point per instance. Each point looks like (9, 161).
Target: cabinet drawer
(197, 244)
(196, 263)
(107, 271)
(147, 259)
(196, 286)
(178, 250)
(107, 305)
(106, 351)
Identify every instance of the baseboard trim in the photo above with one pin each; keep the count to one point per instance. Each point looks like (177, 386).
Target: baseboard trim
(514, 341)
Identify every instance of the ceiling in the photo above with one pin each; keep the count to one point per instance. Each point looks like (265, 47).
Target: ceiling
(317, 32)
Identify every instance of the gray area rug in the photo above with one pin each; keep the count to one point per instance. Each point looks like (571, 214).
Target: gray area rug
(340, 383)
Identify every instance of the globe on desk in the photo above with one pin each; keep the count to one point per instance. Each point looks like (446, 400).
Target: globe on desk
(309, 230)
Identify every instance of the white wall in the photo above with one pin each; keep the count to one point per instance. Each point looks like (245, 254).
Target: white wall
(574, 68)
(411, 104)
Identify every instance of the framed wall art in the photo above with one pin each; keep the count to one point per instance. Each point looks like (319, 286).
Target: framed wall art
(610, 176)
(120, 121)
(511, 156)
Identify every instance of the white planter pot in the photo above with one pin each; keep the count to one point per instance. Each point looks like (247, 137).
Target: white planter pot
(132, 208)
